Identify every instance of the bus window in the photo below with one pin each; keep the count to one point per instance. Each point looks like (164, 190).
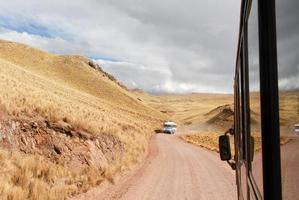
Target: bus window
(287, 20)
(254, 97)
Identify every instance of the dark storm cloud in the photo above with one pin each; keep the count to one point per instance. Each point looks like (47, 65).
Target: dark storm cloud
(173, 46)
(199, 37)
(187, 25)
(288, 43)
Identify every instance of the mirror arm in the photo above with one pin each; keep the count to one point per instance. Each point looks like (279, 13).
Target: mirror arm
(232, 164)
(230, 131)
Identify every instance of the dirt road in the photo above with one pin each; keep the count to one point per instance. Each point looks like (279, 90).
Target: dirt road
(289, 168)
(175, 170)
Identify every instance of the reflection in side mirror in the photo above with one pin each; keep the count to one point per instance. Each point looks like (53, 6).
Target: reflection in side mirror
(224, 147)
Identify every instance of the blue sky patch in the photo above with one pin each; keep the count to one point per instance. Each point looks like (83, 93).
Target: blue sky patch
(25, 26)
(21, 24)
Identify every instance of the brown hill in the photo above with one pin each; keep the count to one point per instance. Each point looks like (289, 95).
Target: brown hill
(75, 72)
(66, 125)
(221, 115)
(187, 109)
(64, 117)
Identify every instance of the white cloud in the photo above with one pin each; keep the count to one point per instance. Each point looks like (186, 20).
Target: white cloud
(166, 46)
(176, 87)
(289, 83)
(134, 75)
(55, 45)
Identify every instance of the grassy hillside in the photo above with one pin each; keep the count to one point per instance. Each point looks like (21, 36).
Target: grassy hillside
(66, 125)
(206, 116)
(288, 107)
(65, 101)
(186, 109)
(200, 108)
(203, 117)
(70, 71)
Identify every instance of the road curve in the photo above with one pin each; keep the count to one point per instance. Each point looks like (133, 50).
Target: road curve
(175, 170)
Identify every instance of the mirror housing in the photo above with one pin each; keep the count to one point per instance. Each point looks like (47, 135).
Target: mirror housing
(224, 148)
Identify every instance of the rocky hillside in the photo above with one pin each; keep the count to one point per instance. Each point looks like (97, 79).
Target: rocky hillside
(64, 121)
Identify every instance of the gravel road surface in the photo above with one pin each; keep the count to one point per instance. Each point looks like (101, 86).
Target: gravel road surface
(174, 170)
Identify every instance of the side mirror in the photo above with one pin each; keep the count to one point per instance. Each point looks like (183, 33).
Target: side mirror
(224, 148)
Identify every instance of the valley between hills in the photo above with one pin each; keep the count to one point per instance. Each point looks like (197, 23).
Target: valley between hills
(67, 126)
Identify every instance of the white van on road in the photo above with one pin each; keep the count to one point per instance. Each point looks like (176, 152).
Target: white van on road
(169, 127)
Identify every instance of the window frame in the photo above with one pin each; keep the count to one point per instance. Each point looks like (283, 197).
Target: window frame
(268, 103)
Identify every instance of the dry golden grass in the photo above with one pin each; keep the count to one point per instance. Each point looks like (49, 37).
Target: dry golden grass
(37, 84)
(71, 72)
(33, 177)
(190, 109)
(209, 140)
(288, 107)
(186, 109)
(194, 110)
(24, 92)
(289, 115)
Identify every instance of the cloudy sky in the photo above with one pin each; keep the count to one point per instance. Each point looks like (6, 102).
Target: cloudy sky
(287, 17)
(159, 46)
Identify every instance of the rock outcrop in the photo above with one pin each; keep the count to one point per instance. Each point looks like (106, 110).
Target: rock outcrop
(59, 142)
